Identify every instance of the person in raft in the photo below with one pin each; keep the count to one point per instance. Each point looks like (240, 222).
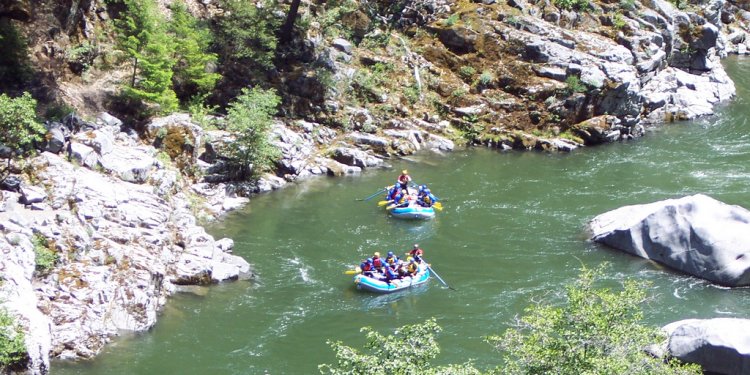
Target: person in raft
(416, 253)
(377, 262)
(366, 267)
(425, 197)
(404, 179)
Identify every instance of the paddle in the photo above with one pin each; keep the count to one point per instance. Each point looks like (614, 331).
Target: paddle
(372, 196)
(438, 276)
(383, 203)
(353, 272)
(438, 206)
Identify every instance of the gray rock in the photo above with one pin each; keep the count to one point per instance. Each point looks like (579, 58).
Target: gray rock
(376, 142)
(131, 164)
(342, 45)
(82, 154)
(697, 235)
(55, 139)
(556, 73)
(32, 194)
(105, 119)
(719, 346)
(354, 157)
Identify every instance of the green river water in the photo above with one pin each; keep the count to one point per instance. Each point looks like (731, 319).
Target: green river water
(512, 230)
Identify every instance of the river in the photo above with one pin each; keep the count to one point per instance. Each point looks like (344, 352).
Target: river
(512, 230)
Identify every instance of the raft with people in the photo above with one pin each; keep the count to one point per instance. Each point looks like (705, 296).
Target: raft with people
(410, 202)
(391, 274)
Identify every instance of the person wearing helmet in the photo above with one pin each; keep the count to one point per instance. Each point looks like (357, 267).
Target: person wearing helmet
(404, 179)
(426, 198)
(412, 268)
(366, 267)
(393, 192)
(377, 262)
(416, 252)
(390, 274)
(391, 258)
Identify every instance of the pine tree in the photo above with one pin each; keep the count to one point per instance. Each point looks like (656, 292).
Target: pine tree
(192, 75)
(144, 39)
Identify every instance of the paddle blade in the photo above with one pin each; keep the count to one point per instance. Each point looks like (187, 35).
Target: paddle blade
(382, 203)
(438, 206)
(350, 272)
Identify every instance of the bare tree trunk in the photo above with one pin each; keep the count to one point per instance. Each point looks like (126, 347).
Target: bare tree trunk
(288, 28)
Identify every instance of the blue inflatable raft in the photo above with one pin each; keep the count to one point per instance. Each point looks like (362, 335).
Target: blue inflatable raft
(413, 211)
(372, 284)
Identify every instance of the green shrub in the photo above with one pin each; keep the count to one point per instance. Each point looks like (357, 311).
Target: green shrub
(486, 77)
(81, 57)
(618, 22)
(249, 118)
(18, 122)
(575, 85)
(581, 5)
(452, 19)
(467, 72)
(596, 331)
(408, 351)
(12, 346)
(44, 257)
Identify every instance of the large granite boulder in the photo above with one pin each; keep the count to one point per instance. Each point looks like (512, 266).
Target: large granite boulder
(697, 235)
(720, 346)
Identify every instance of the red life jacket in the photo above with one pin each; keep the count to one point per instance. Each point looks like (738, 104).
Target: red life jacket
(377, 262)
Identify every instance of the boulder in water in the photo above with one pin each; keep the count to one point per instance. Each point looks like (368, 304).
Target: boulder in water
(719, 346)
(696, 234)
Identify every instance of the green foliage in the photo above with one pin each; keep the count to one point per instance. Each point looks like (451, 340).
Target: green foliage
(81, 57)
(408, 351)
(246, 39)
(411, 93)
(249, 119)
(192, 75)
(486, 77)
(452, 19)
(15, 68)
(18, 122)
(618, 22)
(467, 72)
(581, 5)
(597, 331)
(143, 37)
(44, 257)
(12, 346)
(202, 113)
(575, 85)
(331, 22)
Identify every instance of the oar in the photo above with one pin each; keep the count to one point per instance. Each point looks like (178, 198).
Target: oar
(438, 276)
(438, 206)
(353, 272)
(383, 203)
(372, 196)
